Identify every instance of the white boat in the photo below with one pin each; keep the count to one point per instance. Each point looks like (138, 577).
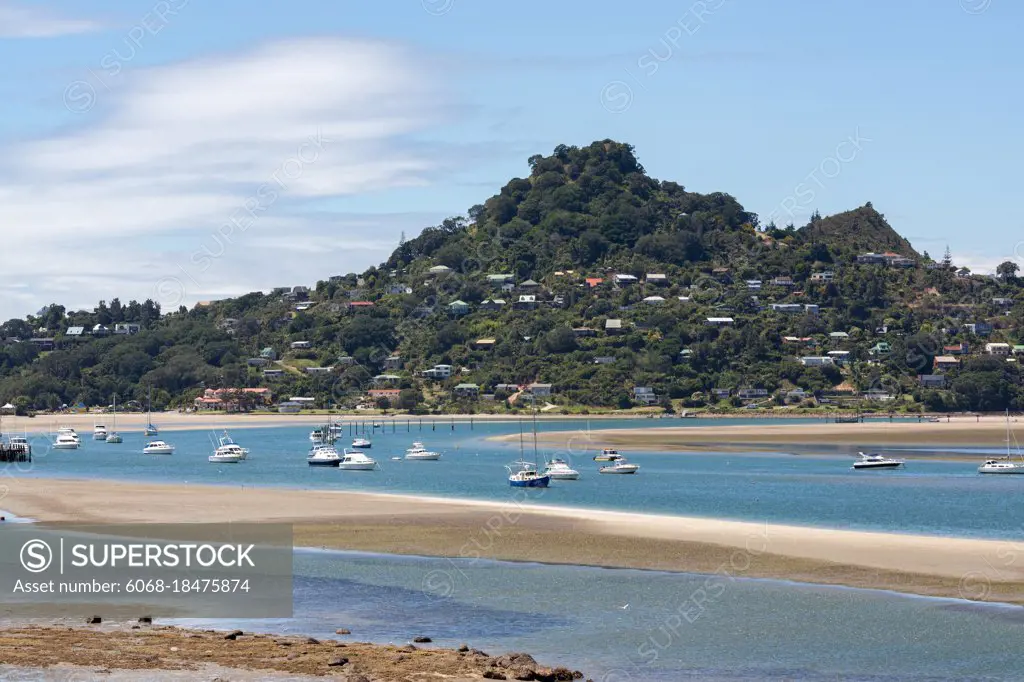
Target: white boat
(158, 447)
(323, 456)
(418, 452)
(227, 446)
(66, 441)
(150, 429)
(527, 475)
(1005, 465)
(619, 466)
(325, 434)
(356, 460)
(876, 461)
(608, 455)
(99, 432)
(20, 443)
(68, 431)
(219, 457)
(362, 443)
(559, 470)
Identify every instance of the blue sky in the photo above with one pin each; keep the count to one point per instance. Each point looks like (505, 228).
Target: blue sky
(185, 150)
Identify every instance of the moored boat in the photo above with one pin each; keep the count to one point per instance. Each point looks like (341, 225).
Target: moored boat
(559, 470)
(355, 460)
(619, 466)
(362, 443)
(323, 456)
(158, 447)
(877, 461)
(608, 455)
(419, 452)
(1005, 465)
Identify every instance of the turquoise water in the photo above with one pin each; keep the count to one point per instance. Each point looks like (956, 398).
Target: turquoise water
(675, 627)
(816, 488)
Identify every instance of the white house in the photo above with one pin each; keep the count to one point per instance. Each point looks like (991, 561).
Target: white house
(654, 300)
(439, 269)
(719, 321)
(997, 348)
(816, 361)
(625, 280)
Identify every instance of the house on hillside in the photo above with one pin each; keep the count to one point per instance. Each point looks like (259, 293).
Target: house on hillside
(880, 348)
(268, 353)
(526, 302)
(529, 285)
(1002, 302)
(393, 363)
(957, 349)
(624, 280)
(496, 280)
(871, 259)
(997, 349)
(458, 308)
(719, 321)
(127, 328)
(822, 277)
(355, 306)
(301, 345)
(75, 333)
(932, 380)
(439, 270)
(979, 328)
(817, 361)
(613, 326)
(783, 281)
(539, 390)
(593, 282)
(492, 304)
(840, 357)
(654, 300)
(100, 330)
(466, 391)
(787, 307)
(438, 372)
(945, 362)
(271, 374)
(604, 360)
(645, 395)
(484, 344)
(386, 379)
(838, 337)
(319, 371)
(656, 279)
(583, 332)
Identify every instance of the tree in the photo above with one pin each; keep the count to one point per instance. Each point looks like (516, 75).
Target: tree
(1007, 269)
(947, 258)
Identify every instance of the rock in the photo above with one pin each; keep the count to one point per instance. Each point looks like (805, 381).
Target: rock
(494, 675)
(399, 658)
(477, 652)
(343, 631)
(311, 640)
(338, 662)
(357, 678)
(136, 627)
(292, 657)
(93, 620)
(152, 658)
(421, 639)
(174, 649)
(522, 672)
(515, 659)
(146, 620)
(233, 635)
(463, 648)
(282, 642)
(408, 648)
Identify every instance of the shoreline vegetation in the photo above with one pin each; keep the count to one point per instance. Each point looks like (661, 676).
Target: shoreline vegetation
(100, 650)
(395, 524)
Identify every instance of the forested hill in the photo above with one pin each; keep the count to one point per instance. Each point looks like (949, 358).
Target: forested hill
(588, 278)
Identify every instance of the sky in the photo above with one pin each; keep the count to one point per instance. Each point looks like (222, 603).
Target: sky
(185, 151)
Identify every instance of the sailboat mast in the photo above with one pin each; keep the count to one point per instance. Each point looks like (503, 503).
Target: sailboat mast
(535, 460)
(521, 455)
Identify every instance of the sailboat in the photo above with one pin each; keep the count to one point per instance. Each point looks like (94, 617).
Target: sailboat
(1006, 465)
(114, 436)
(150, 429)
(528, 475)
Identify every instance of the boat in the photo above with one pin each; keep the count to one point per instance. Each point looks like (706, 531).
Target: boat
(323, 455)
(114, 436)
(158, 447)
(876, 461)
(225, 457)
(527, 475)
(20, 443)
(228, 448)
(356, 460)
(150, 429)
(1005, 465)
(99, 432)
(849, 419)
(559, 470)
(326, 434)
(362, 443)
(619, 466)
(66, 441)
(608, 455)
(419, 452)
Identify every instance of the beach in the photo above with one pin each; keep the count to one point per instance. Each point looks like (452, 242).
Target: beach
(986, 431)
(938, 566)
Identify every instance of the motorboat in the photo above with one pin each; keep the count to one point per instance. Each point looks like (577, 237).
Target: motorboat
(362, 443)
(527, 476)
(419, 452)
(20, 443)
(68, 431)
(220, 457)
(608, 455)
(325, 434)
(323, 456)
(356, 460)
(99, 432)
(876, 461)
(227, 446)
(619, 466)
(1005, 465)
(158, 447)
(114, 437)
(66, 439)
(559, 470)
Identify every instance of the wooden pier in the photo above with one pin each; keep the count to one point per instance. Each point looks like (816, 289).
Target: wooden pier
(14, 453)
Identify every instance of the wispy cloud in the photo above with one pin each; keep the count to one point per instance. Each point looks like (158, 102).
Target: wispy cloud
(152, 189)
(22, 21)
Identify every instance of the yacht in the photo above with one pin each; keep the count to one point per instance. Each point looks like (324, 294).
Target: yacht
(227, 446)
(362, 443)
(1005, 465)
(150, 429)
(221, 456)
(356, 460)
(20, 443)
(417, 451)
(66, 441)
(68, 431)
(608, 455)
(114, 437)
(876, 461)
(325, 434)
(559, 470)
(158, 447)
(619, 466)
(527, 476)
(99, 432)
(323, 456)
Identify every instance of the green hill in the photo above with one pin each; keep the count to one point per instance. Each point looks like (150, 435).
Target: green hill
(587, 275)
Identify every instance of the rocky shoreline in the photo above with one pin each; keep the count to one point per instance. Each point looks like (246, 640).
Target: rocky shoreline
(101, 650)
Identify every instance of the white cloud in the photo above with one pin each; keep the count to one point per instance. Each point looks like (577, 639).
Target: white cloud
(148, 191)
(19, 21)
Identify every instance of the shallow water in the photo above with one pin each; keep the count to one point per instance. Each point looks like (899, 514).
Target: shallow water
(816, 488)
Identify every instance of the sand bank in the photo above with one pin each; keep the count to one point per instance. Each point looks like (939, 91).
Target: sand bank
(968, 431)
(970, 568)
